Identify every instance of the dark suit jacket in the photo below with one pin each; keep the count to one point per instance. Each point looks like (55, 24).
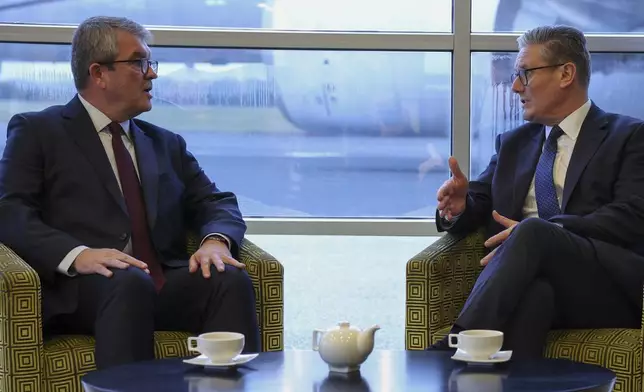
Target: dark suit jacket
(603, 194)
(58, 191)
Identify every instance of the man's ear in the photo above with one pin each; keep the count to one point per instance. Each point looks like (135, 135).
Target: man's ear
(97, 75)
(568, 74)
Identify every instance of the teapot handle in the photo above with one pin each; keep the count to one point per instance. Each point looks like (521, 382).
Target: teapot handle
(316, 339)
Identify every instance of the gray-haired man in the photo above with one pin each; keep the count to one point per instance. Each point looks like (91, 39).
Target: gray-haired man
(99, 204)
(562, 201)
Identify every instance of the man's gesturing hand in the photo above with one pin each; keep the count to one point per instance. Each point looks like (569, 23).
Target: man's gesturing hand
(452, 194)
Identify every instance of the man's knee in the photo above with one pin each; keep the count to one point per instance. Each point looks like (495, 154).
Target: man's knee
(235, 280)
(133, 282)
(534, 234)
(533, 229)
(235, 277)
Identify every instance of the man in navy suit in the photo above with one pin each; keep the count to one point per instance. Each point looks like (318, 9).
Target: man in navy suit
(99, 204)
(563, 203)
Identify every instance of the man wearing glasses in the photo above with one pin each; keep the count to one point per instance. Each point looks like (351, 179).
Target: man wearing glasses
(562, 201)
(99, 204)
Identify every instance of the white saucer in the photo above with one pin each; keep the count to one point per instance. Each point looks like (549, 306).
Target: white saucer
(203, 360)
(501, 356)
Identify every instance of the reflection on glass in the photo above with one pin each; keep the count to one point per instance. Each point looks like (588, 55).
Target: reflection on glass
(472, 379)
(293, 133)
(339, 382)
(221, 380)
(591, 16)
(400, 15)
(387, 374)
(495, 108)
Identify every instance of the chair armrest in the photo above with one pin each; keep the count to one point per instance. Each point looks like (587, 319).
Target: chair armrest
(21, 341)
(642, 332)
(267, 275)
(439, 279)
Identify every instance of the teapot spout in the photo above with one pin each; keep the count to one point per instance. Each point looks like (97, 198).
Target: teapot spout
(366, 340)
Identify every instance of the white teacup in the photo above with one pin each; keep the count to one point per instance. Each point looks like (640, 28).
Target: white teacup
(477, 343)
(219, 347)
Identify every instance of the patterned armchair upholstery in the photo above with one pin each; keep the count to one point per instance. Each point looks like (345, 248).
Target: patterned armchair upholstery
(439, 280)
(29, 364)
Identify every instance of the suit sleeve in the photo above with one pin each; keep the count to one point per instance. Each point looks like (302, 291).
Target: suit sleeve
(620, 222)
(478, 204)
(208, 209)
(21, 193)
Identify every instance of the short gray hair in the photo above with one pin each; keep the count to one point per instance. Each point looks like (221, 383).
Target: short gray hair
(561, 44)
(95, 41)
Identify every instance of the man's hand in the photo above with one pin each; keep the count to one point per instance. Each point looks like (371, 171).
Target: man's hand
(96, 261)
(498, 239)
(212, 252)
(452, 194)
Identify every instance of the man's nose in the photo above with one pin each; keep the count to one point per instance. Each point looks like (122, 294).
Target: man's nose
(151, 74)
(517, 86)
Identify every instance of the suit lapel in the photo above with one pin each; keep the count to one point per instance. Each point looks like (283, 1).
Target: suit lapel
(148, 170)
(80, 126)
(591, 135)
(526, 158)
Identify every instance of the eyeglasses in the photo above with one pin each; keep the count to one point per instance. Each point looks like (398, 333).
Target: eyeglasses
(144, 64)
(522, 74)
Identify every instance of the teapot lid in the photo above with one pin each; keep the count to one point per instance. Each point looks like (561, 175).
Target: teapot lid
(344, 324)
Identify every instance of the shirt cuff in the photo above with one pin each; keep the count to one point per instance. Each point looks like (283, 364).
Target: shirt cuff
(217, 235)
(67, 262)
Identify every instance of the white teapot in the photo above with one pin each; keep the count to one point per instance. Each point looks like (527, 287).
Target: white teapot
(344, 347)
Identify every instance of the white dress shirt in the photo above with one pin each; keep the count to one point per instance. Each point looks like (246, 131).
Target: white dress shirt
(101, 121)
(571, 126)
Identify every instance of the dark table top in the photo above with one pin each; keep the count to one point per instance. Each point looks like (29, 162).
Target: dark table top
(295, 371)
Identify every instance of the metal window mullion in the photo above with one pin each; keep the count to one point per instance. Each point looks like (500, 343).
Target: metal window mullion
(596, 42)
(461, 83)
(350, 227)
(259, 39)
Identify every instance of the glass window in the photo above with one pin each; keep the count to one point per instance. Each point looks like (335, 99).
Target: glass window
(614, 86)
(356, 15)
(591, 16)
(294, 134)
(342, 279)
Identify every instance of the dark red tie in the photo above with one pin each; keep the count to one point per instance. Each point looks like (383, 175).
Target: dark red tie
(141, 244)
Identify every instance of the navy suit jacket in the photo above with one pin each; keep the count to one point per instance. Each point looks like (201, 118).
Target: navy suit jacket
(603, 194)
(58, 191)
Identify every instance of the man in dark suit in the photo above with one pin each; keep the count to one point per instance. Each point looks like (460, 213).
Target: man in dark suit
(563, 202)
(99, 204)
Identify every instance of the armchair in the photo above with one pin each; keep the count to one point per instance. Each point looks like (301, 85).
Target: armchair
(439, 280)
(29, 364)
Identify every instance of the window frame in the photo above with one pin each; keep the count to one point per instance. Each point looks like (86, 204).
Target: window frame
(461, 43)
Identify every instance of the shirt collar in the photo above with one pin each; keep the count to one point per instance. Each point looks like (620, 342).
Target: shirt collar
(571, 125)
(99, 119)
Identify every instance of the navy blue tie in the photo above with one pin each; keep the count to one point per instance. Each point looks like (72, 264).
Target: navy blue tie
(544, 183)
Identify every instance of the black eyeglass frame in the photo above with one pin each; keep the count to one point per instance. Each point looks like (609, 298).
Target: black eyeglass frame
(144, 64)
(522, 74)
